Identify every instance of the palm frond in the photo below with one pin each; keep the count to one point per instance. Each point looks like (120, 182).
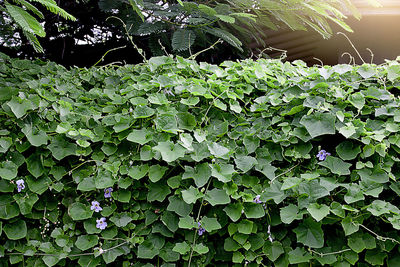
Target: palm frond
(51, 5)
(24, 20)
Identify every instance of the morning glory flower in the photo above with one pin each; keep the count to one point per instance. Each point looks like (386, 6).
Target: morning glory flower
(96, 206)
(322, 155)
(107, 192)
(201, 229)
(257, 199)
(20, 185)
(101, 223)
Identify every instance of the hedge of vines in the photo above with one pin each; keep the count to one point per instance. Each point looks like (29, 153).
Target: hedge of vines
(179, 163)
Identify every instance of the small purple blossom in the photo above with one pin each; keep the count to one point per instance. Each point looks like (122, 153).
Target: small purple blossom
(20, 185)
(201, 229)
(257, 199)
(101, 223)
(96, 206)
(322, 154)
(107, 192)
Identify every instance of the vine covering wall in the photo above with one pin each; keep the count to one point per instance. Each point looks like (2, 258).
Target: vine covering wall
(179, 163)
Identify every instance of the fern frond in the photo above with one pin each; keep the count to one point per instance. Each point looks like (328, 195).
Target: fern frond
(34, 41)
(25, 20)
(51, 5)
(183, 39)
(226, 36)
(30, 7)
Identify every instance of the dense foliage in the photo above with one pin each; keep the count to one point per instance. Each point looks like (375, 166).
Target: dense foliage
(175, 163)
(175, 27)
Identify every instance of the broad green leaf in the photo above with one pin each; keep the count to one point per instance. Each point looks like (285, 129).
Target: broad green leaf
(170, 151)
(191, 195)
(179, 206)
(34, 136)
(245, 227)
(138, 171)
(141, 136)
(319, 124)
(336, 165)
(16, 230)
(223, 172)
(158, 191)
(218, 150)
(253, 210)
(8, 170)
(317, 211)
(245, 163)
(79, 211)
(290, 213)
(273, 250)
(217, 197)
(210, 224)
(201, 173)
(201, 248)
(84, 242)
(234, 211)
(60, 148)
(357, 100)
(121, 219)
(299, 255)
(310, 234)
(187, 222)
(156, 172)
(143, 112)
(19, 106)
(182, 248)
(347, 150)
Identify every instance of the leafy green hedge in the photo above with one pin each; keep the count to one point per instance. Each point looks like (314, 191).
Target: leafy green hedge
(176, 163)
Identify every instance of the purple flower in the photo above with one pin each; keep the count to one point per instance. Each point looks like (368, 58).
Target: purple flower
(107, 192)
(20, 185)
(96, 206)
(322, 155)
(101, 223)
(257, 199)
(201, 229)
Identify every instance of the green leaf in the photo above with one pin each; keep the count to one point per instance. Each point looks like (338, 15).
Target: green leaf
(170, 220)
(218, 150)
(191, 195)
(375, 176)
(141, 136)
(348, 150)
(158, 191)
(336, 165)
(234, 211)
(167, 123)
(60, 148)
(8, 170)
(318, 211)
(170, 151)
(36, 138)
(186, 121)
(245, 227)
(223, 172)
(182, 248)
(79, 211)
(299, 255)
(237, 257)
(310, 234)
(290, 213)
(225, 18)
(319, 124)
(201, 173)
(26, 202)
(5, 143)
(156, 172)
(357, 100)
(273, 250)
(16, 230)
(290, 183)
(143, 112)
(121, 219)
(210, 224)
(217, 197)
(253, 210)
(201, 248)
(138, 171)
(349, 226)
(87, 184)
(187, 222)
(85, 242)
(245, 163)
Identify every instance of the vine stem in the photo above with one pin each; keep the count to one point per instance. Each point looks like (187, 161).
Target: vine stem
(70, 255)
(283, 173)
(379, 237)
(329, 253)
(197, 219)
